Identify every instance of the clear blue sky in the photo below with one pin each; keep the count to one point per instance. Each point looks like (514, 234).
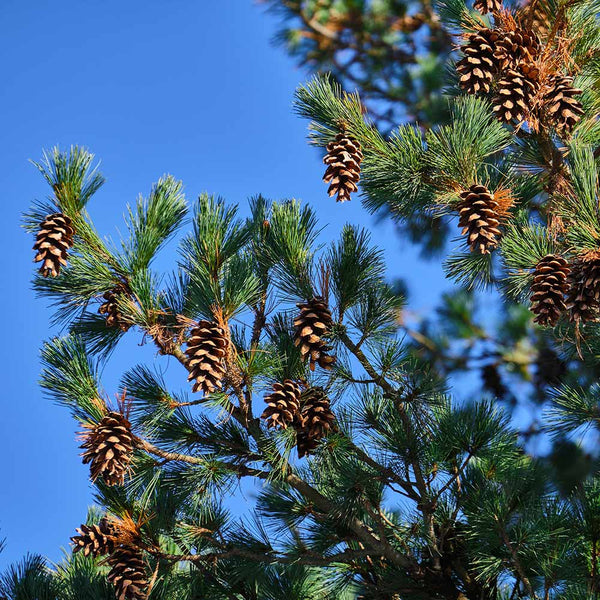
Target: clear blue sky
(187, 87)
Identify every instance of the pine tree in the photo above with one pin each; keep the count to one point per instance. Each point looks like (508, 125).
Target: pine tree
(375, 481)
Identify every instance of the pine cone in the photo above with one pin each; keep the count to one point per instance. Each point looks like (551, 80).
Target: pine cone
(95, 539)
(516, 89)
(540, 21)
(486, 6)
(561, 105)
(583, 299)
(478, 66)
(514, 47)
(492, 381)
(314, 421)
(313, 323)
(128, 573)
(206, 351)
(108, 447)
(343, 160)
(283, 404)
(479, 219)
(110, 308)
(52, 242)
(548, 289)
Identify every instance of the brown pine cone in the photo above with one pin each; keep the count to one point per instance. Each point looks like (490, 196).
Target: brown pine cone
(52, 243)
(128, 573)
(516, 90)
(343, 160)
(561, 106)
(478, 67)
(283, 404)
(312, 324)
(110, 308)
(108, 448)
(583, 299)
(548, 290)
(514, 47)
(206, 351)
(539, 21)
(95, 540)
(314, 421)
(479, 218)
(486, 6)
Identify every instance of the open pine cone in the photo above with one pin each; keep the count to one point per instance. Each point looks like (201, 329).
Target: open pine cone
(343, 160)
(283, 404)
(52, 243)
(206, 351)
(516, 89)
(110, 308)
(583, 299)
(548, 290)
(478, 66)
(479, 218)
(95, 540)
(314, 421)
(128, 573)
(108, 448)
(514, 47)
(312, 324)
(561, 104)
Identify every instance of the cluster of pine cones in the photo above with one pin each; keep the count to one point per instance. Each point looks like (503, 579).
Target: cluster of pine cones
(123, 555)
(308, 412)
(507, 60)
(208, 345)
(561, 287)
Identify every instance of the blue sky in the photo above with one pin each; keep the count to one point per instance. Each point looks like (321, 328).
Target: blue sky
(191, 88)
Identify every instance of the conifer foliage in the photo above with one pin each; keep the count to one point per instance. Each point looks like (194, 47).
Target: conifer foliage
(373, 481)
